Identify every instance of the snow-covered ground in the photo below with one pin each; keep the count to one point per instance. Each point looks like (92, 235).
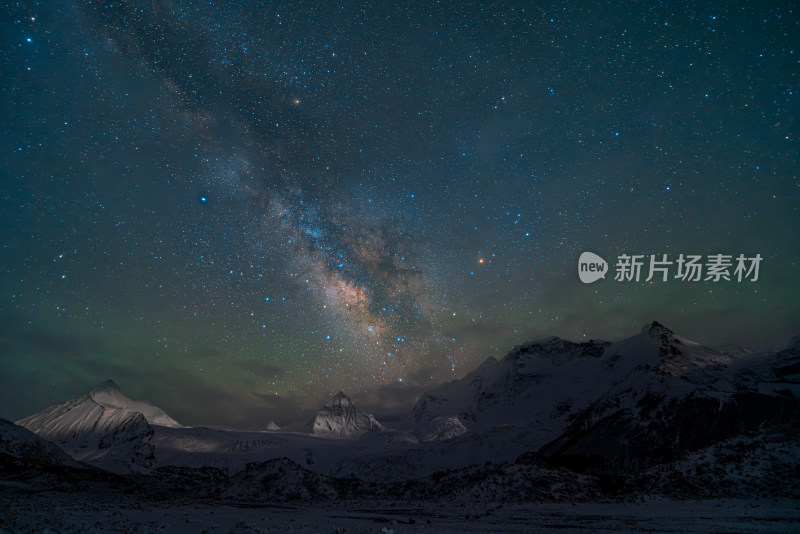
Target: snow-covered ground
(65, 512)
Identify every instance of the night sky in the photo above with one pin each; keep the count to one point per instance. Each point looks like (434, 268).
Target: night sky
(236, 211)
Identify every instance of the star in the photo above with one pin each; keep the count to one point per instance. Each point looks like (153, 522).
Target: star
(346, 196)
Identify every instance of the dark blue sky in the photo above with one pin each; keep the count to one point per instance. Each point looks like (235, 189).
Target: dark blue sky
(235, 211)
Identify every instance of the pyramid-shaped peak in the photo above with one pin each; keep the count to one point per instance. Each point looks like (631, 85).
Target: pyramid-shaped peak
(656, 329)
(340, 399)
(106, 386)
(108, 395)
(272, 425)
(341, 418)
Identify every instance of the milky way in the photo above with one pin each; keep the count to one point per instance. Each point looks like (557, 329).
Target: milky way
(237, 210)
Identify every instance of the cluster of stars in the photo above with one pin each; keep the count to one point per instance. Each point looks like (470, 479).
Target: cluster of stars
(305, 198)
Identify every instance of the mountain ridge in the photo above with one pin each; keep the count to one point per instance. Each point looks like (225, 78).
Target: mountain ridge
(563, 403)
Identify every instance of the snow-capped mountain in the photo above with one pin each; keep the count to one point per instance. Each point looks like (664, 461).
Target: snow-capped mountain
(554, 425)
(272, 426)
(103, 405)
(533, 389)
(341, 418)
(545, 381)
(536, 381)
(527, 399)
(636, 403)
(553, 391)
(685, 399)
(104, 427)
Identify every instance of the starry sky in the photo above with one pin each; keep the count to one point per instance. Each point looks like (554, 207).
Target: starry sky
(236, 209)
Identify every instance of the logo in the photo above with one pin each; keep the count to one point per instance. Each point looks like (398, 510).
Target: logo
(591, 267)
(684, 268)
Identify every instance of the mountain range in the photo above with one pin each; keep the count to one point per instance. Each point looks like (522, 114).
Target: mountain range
(655, 411)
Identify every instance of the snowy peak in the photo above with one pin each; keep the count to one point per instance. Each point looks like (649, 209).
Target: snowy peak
(535, 381)
(104, 427)
(106, 386)
(657, 335)
(672, 354)
(658, 331)
(109, 395)
(104, 408)
(340, 418)
(272, 426)
(549, 379)
(340, 400)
